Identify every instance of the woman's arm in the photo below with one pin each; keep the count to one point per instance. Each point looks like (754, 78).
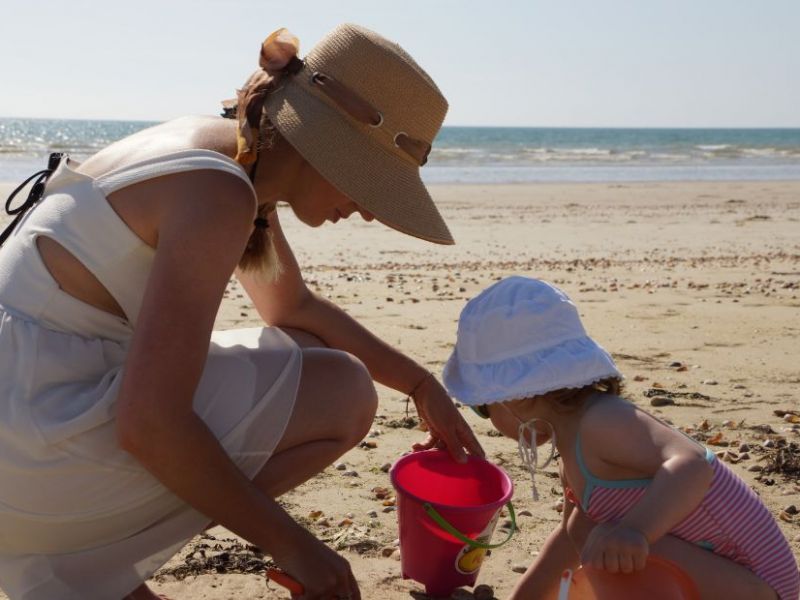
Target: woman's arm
(287, 302)
(203, 228)
(622, 437)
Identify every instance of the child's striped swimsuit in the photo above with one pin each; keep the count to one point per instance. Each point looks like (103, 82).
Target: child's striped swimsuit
(731, 521)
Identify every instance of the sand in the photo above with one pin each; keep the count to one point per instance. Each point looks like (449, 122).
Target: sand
(693, 287)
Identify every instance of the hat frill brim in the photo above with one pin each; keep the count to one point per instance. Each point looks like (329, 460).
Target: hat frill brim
(571, 364)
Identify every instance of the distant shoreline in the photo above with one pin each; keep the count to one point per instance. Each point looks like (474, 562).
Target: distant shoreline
(489, 155)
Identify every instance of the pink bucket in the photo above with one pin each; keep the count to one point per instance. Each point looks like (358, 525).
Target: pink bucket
(447, 513)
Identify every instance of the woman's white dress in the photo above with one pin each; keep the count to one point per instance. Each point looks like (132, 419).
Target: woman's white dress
(80, 519)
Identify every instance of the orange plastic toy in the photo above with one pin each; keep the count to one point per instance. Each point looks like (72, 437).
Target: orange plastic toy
(659, 580)
(295, 588)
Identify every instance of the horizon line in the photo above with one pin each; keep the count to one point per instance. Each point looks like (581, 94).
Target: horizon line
(452, 125)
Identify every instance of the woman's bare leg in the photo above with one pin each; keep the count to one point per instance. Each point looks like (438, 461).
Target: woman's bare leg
(333, 411)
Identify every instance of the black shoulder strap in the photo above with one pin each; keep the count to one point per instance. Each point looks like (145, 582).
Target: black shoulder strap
(36, 193)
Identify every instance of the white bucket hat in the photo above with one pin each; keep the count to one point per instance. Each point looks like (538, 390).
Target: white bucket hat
(521, 338)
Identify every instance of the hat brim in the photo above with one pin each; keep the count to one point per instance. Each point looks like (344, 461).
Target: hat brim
(570, 365)
(340, 149)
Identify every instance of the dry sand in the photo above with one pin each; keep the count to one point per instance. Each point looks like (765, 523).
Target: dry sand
(694, 287)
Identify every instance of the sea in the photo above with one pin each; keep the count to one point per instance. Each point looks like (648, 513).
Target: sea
(492, 154)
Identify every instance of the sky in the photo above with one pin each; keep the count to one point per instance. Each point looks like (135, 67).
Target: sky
(552, 63)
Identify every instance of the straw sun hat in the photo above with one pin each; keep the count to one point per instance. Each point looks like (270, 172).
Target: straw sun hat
(375, 161)
(522, 338)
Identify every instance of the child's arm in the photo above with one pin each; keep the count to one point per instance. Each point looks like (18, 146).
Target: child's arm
(624, 442)
(542, 578)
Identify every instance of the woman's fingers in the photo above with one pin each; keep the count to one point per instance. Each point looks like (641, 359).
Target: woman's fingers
(453, 443)
(430, 442)
(469, 441)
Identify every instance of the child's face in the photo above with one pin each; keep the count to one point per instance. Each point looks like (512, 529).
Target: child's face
(508, 416)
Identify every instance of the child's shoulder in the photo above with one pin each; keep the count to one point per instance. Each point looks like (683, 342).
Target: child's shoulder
(606, 409)
(607, 415)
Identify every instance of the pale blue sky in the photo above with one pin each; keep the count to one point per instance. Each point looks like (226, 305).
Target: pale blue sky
(628, 63)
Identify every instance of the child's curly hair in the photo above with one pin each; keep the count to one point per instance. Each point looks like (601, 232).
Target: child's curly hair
(572, 399)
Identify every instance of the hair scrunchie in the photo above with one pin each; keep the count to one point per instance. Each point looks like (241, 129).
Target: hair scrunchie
(278, 57)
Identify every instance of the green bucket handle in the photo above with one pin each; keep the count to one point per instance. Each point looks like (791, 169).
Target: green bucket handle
(440, 521)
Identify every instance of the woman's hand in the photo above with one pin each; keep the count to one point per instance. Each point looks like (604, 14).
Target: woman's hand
(446, 427)
(323, 573)
(615, 548)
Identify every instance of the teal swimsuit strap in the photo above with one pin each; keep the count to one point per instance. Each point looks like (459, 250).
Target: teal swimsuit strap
(593, 482)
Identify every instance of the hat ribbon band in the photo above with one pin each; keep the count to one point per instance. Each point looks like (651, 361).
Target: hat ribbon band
(363, 112)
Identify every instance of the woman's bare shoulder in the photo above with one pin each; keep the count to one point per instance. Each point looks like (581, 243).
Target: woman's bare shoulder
(182, 133)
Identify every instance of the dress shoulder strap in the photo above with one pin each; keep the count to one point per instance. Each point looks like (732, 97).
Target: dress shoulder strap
(168, 164)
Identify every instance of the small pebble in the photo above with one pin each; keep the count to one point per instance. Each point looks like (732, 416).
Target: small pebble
(350, 516)
(507, 524)
(483, 592)
(710, 382)
(387, 552)
(388, 509)
(381, 493)
(675, 364)
(768, 444)
(755, 468)
(519, 568)
(791, 509)
(373, 514)
(323, 522)
(739, 386)
(661, 401)
(744, 448)
(340, 466)
(350, 473)
(385, 467)
(525, 513)
(345, 522)
(368, 445)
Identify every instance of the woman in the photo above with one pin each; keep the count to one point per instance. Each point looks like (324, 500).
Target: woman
(123, 431)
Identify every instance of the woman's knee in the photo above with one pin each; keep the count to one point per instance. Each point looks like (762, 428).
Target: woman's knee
(303, 338)
(340, 383)
(360, 394)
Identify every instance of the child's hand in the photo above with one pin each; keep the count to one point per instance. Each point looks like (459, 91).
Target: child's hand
(615, 548)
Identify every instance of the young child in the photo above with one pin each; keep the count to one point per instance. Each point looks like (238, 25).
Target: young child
(632, 484)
